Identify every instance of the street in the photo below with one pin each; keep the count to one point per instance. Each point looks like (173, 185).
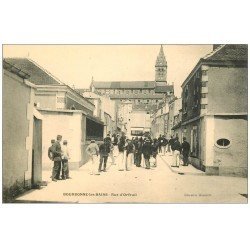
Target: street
(157, 185)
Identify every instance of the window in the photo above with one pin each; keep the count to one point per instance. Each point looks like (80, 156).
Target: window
(223, 143)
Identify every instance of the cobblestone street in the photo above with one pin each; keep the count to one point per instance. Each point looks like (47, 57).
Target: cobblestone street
(157, 185)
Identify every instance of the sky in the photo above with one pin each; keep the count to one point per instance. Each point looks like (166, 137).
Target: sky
(76, 64)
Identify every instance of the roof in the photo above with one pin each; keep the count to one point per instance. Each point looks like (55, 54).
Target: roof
(125, 85)
(164, 89)
(38, 75)
(138, 96)
(232, 55)
(228, 52)
(15, 70)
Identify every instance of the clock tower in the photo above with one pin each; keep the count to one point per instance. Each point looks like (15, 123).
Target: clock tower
(161, 67)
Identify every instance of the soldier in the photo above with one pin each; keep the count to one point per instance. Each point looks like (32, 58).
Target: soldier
(185, 149)
(146, 150)
(56, 151)
(50, 153)
(104, 150)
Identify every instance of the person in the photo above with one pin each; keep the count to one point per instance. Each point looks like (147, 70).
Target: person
(137, 152)
(93, 151)
(164, 144)
(56, 151)
(115, 143)
(129, 154)
(160, 144)
(176, 152)
(108, 139)
(154, 150)
(185, 149)
(121, 156)
(111, 154)
(104, 151)
(65, 161)
(50, 151)
(146, 150)
(170, 145)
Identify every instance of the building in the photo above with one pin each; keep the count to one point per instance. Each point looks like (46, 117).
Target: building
(159, 125)
(22, 133)
(105, 109)
(65, 111)
(143, 96)
(177, 119)
(214, 111)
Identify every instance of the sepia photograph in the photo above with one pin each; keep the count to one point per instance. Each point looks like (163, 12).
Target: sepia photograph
(125, 123)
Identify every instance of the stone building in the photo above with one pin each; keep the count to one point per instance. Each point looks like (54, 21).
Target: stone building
(214, 111)
(142, 96)
(64, 111)
(22, 133)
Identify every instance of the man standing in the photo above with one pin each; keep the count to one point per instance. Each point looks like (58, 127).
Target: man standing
(170, 145)
(57, 153)
(146, 150)
(104, 152)
(164, 144)
(185, 149)
(160, 144)
(176, 152)
(65, 160)
(129, 154)
(93, 151)
(50, 151)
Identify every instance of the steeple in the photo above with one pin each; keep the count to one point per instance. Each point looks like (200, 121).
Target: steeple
(161, 67)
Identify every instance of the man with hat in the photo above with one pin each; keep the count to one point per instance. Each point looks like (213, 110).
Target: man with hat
(147, 150)
(57, 153)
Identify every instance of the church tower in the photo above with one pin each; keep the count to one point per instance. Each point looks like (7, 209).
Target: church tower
(161, 67)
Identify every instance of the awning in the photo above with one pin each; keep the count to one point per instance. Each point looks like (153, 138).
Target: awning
(94, 119)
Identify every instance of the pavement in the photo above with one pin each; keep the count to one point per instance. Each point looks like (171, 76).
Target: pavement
(187, 170)
(157, 185)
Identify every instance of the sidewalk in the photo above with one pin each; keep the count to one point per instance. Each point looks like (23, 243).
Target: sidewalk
(182, 170)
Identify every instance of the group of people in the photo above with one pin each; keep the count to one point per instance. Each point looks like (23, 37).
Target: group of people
(141, 152)
(58, 153)
(124, 152)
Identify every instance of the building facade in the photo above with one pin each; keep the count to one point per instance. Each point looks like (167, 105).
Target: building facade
(214, 111)
(142, 96)
(65, 111)
(22, 138)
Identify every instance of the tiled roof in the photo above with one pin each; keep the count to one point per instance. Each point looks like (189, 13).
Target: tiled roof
(38, 75)
(15, 70)
(164, 89)
(125, 85)
(133, 96)
(228, 52)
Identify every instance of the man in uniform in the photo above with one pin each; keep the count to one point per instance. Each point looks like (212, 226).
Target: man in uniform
(185, 149)
(57, 157)
(104, 151)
